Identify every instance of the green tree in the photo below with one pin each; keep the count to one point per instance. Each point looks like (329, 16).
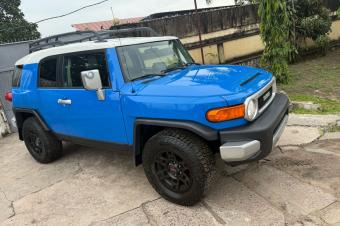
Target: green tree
(312, 20)
(13, 25)
(274, 29)
(312, 17)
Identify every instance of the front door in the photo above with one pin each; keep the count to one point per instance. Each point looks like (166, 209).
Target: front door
(84, 116)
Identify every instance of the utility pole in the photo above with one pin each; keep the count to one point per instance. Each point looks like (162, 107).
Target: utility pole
(199, 30)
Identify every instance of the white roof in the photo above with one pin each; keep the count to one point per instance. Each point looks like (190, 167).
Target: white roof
(35, 57)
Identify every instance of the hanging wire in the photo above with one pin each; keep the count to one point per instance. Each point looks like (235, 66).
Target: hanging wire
(55, 17)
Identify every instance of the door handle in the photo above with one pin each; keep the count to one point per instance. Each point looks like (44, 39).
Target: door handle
(64, 102)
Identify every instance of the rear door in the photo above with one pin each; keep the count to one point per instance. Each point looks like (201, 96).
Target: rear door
(85, 116)
(48, 94)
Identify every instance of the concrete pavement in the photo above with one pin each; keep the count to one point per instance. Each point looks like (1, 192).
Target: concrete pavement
(298, 184)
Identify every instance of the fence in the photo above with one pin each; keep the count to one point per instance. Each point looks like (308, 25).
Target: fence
(211, 20)
(184, 23)
(229, 34)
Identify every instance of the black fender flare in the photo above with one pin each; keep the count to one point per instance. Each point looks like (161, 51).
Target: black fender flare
(205, 132)
(19, 116)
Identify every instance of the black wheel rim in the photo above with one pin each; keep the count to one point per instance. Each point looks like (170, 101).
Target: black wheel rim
(34, 142)
(172, 172)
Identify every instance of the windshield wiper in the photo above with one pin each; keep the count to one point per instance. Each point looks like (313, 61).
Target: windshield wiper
(179, 67)
(146, 76)
(191, 63)
(173, 69)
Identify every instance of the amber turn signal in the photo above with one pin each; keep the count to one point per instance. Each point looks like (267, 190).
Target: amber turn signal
(227, 113)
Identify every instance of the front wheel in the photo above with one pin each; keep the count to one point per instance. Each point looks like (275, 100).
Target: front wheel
(179, 165)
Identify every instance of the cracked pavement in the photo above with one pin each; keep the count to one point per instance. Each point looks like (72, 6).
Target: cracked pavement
(298, 184)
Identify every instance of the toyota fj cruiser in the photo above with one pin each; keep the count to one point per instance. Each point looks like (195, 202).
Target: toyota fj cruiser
(146, 95)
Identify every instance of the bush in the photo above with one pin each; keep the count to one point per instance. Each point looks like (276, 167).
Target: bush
(312, 20)
(323, 43)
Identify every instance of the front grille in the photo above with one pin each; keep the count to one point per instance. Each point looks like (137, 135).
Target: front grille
(264, 98)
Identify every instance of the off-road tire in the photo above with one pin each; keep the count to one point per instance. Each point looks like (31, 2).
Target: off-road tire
(196, 155)
(49, 148)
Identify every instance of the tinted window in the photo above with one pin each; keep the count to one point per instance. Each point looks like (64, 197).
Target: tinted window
(17, 76)
(48, 73)
(75, 64)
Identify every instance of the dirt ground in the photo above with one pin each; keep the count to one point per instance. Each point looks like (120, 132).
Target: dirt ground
(298, 184)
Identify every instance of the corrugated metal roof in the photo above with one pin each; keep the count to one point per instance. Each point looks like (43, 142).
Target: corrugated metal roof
(96, 26)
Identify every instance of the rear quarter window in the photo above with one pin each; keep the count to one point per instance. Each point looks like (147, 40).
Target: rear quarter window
(17, 76)
(48, 73)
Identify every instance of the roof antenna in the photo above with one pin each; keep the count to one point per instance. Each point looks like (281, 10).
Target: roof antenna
(115, 21)
(113, 16)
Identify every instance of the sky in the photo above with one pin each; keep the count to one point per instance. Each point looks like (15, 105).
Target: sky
(35, 10)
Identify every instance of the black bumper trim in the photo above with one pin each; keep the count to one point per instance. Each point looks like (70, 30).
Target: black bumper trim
(262, 129)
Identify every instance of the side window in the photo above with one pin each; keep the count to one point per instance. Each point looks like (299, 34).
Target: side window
(48, 73)
(17, 76)
(75, 64)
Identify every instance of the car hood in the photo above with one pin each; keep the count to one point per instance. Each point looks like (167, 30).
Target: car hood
(205, 81)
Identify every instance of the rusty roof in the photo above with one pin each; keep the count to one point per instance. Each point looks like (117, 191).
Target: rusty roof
(99, 25)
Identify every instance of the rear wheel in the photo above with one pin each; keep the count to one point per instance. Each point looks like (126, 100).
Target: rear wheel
(41, 144)
(179, 165)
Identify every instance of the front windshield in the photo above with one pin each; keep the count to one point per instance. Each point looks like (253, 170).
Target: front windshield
(152, 59)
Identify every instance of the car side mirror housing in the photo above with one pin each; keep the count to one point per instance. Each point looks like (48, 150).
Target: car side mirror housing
(92, 81)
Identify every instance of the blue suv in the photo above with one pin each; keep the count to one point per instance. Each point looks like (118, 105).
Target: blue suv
(146, 95)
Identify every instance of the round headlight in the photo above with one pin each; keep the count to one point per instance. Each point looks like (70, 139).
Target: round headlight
(251, 110)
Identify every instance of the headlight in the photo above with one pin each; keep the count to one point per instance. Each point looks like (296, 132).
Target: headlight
(251, 110)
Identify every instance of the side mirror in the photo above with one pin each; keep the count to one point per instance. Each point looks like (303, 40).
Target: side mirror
(92, 81)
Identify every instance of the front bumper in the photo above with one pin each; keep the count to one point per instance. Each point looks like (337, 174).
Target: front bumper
(256, 140)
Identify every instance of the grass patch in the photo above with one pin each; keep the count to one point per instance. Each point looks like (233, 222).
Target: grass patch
(316, 79)
(334, 129)
(328, 106)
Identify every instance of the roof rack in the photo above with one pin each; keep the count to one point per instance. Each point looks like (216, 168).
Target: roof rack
(82, 36)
